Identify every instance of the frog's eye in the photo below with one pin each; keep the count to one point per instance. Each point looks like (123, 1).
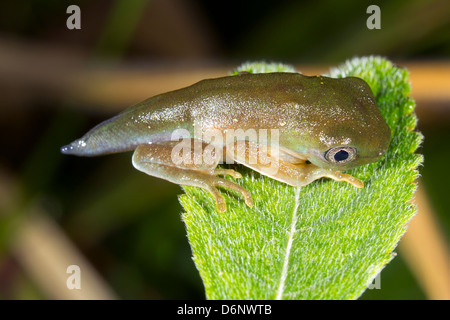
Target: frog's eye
(340, 155)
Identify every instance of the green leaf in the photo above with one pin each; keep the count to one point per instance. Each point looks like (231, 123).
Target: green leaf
(262, 67)
(327, 240)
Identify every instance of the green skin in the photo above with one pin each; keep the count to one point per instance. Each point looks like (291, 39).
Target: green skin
(313, 115)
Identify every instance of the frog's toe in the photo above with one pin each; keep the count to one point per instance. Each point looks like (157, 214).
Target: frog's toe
(229, 172)
(220, 200)
(352, 180)
(234, 186)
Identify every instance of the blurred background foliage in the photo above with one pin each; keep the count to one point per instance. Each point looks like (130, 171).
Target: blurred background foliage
(126, 224)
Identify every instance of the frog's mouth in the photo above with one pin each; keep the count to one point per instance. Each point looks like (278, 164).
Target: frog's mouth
(290, 156)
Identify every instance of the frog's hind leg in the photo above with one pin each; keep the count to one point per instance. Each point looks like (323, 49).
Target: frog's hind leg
(162, 160)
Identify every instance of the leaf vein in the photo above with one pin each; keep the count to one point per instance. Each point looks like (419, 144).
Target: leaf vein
(287, 254)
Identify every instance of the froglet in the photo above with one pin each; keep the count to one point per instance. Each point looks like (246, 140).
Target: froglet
(323, 126)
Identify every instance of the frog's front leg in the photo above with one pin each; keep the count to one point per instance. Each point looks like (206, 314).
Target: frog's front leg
(300, 173)
(162, 160)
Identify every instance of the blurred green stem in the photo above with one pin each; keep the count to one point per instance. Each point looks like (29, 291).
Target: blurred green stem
(119, 27)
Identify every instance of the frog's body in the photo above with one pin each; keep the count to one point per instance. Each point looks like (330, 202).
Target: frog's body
(325, 125)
